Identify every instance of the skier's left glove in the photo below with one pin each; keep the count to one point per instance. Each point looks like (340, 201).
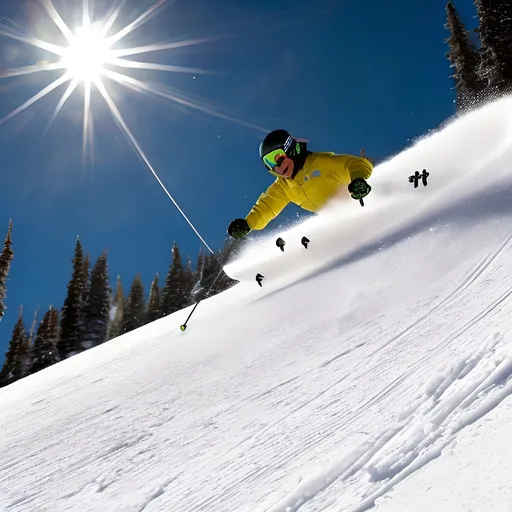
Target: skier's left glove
(358, 189)
(238, 228)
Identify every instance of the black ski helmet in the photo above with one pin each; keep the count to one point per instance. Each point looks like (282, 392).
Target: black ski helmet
(281, 139)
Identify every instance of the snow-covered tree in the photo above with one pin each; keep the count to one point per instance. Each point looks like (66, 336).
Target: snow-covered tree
(495, 33)
(465, 60)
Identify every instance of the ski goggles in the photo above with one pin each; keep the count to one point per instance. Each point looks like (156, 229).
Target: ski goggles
(273, 159)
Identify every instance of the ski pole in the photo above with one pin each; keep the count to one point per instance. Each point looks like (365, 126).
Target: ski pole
(184, 326)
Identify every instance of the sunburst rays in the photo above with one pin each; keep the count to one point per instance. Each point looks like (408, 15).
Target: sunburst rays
(89, 59)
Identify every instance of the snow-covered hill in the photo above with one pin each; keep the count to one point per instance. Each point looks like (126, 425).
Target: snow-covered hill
(371, 370)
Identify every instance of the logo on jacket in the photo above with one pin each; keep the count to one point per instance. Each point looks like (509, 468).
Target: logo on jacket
(314, 174)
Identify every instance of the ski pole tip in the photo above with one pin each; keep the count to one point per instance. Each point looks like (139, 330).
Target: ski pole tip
(183, 327)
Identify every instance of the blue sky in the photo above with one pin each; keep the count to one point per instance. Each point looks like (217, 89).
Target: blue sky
(345, 74)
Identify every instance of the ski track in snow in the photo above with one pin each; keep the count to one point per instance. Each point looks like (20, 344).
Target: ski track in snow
(432, 423)
(454, 399)
(349, 371)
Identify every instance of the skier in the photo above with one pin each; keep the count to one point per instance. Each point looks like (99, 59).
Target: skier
(305, 178)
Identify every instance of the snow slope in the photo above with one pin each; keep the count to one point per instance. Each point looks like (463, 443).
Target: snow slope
(371, 370)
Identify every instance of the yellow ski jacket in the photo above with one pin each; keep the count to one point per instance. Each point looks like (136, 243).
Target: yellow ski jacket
(319, 180)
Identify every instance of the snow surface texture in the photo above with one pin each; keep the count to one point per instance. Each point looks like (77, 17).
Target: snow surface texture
(371, 370)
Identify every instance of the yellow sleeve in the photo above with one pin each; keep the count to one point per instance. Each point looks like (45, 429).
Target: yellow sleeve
(268, 206)
(345, 167)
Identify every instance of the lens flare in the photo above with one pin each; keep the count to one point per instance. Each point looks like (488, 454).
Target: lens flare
(89, 57)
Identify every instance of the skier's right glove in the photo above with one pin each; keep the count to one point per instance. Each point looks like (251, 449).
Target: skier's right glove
(358, 189)
(238, 228)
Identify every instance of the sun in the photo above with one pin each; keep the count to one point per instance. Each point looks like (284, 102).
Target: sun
(86, 56)
(92, 56)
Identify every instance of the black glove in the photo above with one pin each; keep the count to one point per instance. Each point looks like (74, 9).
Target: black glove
(358, 189)
(238, 228)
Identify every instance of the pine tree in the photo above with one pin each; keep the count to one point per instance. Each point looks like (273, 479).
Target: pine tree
(465, 60)
(53, 326)
(495, 33)
(174, 294)
(71, 314)
(44, 351)
(117, 312)
(97, 308)
(16, 364)
(5, 262)
(135, 309)
(153, 312)
(86, 286)
(86, 279)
